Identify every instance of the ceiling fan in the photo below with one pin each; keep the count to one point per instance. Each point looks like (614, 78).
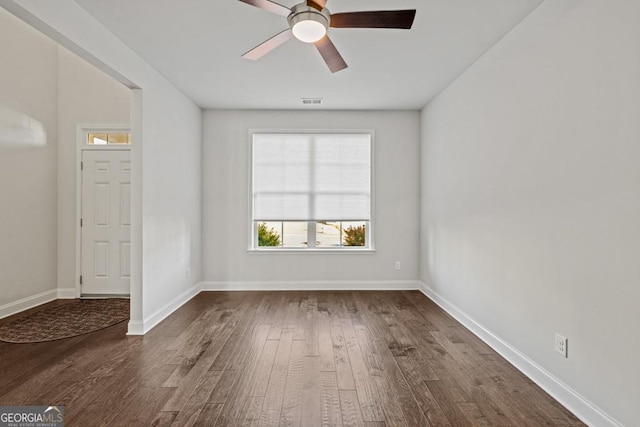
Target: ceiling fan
(310, 20)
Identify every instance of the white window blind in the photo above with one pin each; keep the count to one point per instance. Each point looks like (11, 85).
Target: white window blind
(311, 177)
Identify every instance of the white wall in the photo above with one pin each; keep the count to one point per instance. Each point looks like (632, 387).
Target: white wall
(28, 86)
(531, 198)
(166, 178)
(85, 96)
(172, 204)
(226, 203)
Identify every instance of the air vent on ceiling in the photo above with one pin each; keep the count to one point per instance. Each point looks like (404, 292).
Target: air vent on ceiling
(312, 101)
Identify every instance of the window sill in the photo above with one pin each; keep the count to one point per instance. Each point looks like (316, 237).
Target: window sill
(313, 251)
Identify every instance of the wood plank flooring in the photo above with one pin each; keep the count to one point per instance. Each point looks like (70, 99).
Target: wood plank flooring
(282, 358)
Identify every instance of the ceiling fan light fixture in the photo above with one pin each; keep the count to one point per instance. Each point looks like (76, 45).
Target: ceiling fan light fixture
(308, 24)
(309, 30)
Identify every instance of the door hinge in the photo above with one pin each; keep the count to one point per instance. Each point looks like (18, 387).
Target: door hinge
(80, 222)
(81, 166)
(81, 280)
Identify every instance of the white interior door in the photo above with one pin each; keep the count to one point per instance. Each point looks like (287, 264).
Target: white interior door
(106, 222)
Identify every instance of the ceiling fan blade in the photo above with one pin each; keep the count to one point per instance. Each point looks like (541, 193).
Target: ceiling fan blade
(401, 19)
(317, 4)
(330, 54)
(269, 6)
(267, 46)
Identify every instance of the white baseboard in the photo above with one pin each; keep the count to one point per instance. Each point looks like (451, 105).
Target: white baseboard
(27, 303)
(569, 398)
(313, 285)
(67, 293)
(137, 327)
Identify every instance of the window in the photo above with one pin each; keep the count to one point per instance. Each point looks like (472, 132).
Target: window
(311, 191)
(115, 138)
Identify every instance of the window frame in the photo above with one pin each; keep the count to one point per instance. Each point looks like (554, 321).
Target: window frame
(252, 243)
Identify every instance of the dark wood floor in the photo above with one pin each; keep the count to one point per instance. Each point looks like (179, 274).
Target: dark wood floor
(282, 358)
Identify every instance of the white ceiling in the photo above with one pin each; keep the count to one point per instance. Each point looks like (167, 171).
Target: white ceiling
(197, 45)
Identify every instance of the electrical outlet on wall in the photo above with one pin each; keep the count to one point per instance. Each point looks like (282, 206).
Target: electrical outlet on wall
(561, 345)
(397, 265)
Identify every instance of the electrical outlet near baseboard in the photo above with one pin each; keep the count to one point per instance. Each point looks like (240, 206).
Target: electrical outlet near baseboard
(561, 345)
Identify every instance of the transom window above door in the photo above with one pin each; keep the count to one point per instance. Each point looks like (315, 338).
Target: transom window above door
(311, 191)
(109, 138)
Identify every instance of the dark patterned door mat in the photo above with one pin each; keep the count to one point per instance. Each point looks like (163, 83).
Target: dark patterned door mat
(58, 321)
